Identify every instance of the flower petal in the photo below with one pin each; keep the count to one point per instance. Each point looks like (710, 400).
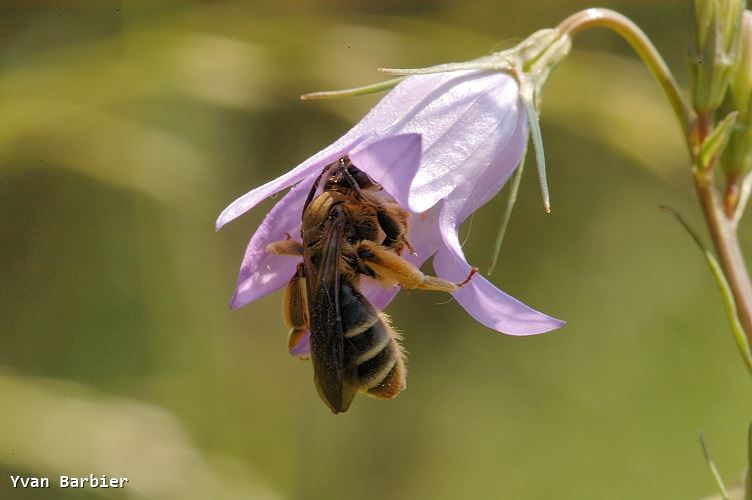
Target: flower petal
(465, 128)
(501, 156)
(418, 99)
(480, 297)
(459, 115)
(376, 294)
(489, 305)
(392, 162)
(261, 272)
(312, 165)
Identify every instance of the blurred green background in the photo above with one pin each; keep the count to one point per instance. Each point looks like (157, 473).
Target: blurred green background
(126, 127)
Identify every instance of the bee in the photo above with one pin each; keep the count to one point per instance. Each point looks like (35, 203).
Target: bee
(348, 231)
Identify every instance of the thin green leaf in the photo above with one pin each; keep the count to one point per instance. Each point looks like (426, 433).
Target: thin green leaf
(714, 470)
(726, 295)
(526, 96)
(715, 143)
(356, 91)
(507, 214)
(495, 62)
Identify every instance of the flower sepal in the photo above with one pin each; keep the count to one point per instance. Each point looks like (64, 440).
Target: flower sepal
(714, 51)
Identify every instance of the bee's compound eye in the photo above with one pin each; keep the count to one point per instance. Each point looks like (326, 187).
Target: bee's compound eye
(362, 178)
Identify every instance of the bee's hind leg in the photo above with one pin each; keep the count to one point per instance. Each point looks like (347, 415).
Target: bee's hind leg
(390, 269)
(295, 304)
(296, 307)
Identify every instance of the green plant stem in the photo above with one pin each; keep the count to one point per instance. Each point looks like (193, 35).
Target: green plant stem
(727, 295)
(723, 232)
(696, 129)
(722, 228)
(630, 32)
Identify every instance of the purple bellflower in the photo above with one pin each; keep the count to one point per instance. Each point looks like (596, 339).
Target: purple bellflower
(441, 145)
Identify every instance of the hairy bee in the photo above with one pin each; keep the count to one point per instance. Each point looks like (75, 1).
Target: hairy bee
(353, 345)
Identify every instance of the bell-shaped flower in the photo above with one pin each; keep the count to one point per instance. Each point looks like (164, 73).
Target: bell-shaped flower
(441, 145)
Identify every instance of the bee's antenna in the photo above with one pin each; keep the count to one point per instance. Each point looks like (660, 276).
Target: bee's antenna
(351, 180)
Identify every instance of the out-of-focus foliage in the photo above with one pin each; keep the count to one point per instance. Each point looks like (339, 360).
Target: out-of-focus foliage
(125, 127)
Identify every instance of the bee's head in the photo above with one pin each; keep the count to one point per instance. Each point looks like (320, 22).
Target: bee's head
(345, 175)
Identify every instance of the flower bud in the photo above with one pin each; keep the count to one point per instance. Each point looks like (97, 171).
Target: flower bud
(714, 52)
(737, 158)
(741, 83)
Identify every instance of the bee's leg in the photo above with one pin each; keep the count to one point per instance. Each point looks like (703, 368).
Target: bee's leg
(285, 247)
(296, 307)
(393, 220)
(296, 296)
(393, 269)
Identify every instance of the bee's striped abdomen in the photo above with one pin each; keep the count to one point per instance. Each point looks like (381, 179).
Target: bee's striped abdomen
(374, 347)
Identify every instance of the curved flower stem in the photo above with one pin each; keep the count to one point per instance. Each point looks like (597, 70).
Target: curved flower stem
(630, 32)
(695, 129)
